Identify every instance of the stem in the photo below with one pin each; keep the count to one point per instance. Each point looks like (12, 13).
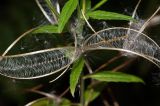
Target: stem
(108, 62)
(88, 66)
(122, 65)
(105, 102)
(115, 103)
(49, 3)
(52, 96)
(84, 6)
(37, 87)
(134, 12)
(89, 25)
(63, 93)
(53, 10)
(147, 22)
(82, 90)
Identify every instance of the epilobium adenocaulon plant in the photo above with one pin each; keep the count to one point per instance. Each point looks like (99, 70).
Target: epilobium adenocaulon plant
(71, 19)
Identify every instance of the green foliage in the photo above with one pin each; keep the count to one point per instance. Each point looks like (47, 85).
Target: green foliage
(49, 102)
(103, 15)
(88, 5)
(66, 13)
(110, 76)
(46, 29)
(75, 74)
(99, 4)
(68, 10)
(65, 102)
(92, 92)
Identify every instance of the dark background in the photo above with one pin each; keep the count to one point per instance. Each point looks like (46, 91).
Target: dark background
(18, 16)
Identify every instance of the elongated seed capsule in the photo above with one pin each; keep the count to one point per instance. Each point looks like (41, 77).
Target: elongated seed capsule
(124, 39)
(36, 64)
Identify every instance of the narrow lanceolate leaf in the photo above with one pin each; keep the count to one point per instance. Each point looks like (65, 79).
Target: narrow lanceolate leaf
(99, 4)
(88, 5)
(46, 29)
(75, 74)
(42, 102)
(66, 13)
(92, 92)
(109, 76)
(103, 15)
(49, 102)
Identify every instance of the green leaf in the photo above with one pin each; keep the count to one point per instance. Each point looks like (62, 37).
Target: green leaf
(66, 13)
(42, 102)
(88, 5)
(109, 76)
(46, 29)
(49, 102)
(93, 92)
(65, 102)
(99, 4)
(75, 74)
(103, 15)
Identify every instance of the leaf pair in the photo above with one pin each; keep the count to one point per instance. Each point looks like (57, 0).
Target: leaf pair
(63, 18)
(106, 76)
(68, 10)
